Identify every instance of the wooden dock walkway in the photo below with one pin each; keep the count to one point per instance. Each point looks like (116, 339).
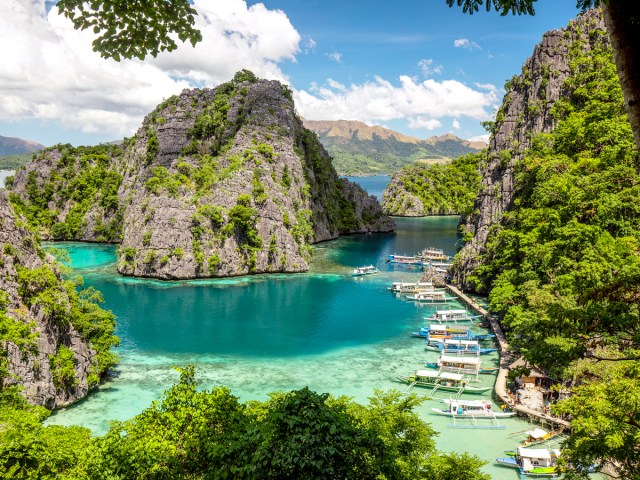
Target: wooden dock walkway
(505, 361)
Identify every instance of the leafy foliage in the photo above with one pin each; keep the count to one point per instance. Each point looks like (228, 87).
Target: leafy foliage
(84, 178)
(198, 434)
(449, 188)
(133, 29)
(563, 266)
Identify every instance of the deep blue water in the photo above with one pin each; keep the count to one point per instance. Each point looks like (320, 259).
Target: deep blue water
(375, 185)
(269, 315)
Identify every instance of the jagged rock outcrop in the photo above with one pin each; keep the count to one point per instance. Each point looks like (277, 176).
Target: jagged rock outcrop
(396, 200)
(216, 182)
(229, 182)
(71, 193)
(526, 110)
(39, 350)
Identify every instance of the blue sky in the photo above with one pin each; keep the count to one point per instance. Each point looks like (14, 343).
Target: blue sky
(419, 67)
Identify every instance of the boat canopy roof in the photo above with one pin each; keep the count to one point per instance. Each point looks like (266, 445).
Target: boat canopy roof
(463, 360)
(536, 453)
(468, 403)
(536, 433)
(438, 328)
(451, 376)
(451, 312)
(426, 373)
(453, 341)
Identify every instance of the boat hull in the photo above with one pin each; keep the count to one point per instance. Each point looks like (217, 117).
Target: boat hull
(447, 413)
(444, 388)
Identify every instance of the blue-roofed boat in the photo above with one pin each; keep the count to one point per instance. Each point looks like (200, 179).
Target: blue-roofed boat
(461, 347)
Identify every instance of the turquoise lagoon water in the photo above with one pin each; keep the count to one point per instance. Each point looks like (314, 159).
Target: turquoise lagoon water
(258, 334)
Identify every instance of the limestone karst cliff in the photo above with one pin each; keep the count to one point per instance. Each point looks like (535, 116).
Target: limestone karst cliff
(216, 182)
(526, 110)
(55, 341)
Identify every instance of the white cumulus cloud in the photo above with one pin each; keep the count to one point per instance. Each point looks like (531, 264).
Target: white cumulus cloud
(480, 138)
(455, 124)
(335, 56)
(428, 68)
(466, 43)
(49, 71)
(422, 104)
(419, 122)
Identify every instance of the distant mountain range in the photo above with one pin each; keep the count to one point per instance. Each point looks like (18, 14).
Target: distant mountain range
(16, 146)
(359, 149)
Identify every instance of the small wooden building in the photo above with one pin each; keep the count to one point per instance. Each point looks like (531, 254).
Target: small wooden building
(531, 376)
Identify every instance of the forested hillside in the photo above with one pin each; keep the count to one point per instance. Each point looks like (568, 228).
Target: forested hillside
(562, 266)
(360, 149)
(445, 189)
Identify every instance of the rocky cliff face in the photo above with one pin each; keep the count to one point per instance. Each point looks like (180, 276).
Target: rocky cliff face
(71, 193)
(39, 350)
(526, 110)
(228, 182)
(216, 182)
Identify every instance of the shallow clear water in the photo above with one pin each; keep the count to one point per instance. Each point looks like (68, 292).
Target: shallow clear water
(325, 329)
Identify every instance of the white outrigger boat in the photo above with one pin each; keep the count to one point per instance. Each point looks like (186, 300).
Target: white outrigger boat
(434, 254)
(368, 270)
(431, 296)
(466, 365)
(471, 409)
(442, 331)
(405, 260)
(445, 381)
(452, 316)
(533, 462)
(461, 347)
(413, 287)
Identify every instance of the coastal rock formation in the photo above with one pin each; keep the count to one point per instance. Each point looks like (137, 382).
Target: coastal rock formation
(72, 193)
(41, 348)
(447, 189)
(216, 182)
(526, 110)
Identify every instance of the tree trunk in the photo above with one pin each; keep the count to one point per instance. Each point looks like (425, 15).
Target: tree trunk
(622, 18)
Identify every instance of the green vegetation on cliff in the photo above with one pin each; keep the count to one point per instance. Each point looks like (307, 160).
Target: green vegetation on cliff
(77, 181)
(13, 162)
(61, 303)
(563, 266)
(209, 434)
(443, 189)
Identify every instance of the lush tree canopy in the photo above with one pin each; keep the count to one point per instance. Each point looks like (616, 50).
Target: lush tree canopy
(442, 189)
(208, 434)
(133, 28)
(563, 267)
